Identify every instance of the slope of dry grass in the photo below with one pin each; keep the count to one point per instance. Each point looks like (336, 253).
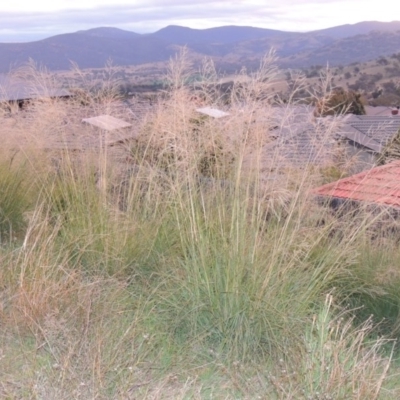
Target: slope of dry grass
(194, 270)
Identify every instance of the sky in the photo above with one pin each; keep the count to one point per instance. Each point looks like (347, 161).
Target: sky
(29, 20)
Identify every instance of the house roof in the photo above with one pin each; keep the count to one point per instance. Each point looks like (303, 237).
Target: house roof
(66, 130)
(378, 110)
(298, 139)
(212, 112)
(107, 122)
(17, 90)
(372, 132)
(380, 185)
(303, 147)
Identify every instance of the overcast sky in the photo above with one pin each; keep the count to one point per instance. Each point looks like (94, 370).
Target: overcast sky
(28, 20)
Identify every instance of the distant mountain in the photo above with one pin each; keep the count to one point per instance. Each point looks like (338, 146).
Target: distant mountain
(110, 33)
(361, 28)
(284, 45)
(345, 51)
(231, 46)
(221, 35)
(89, 49)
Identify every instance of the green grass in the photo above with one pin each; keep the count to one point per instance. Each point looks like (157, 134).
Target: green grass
(14, 198)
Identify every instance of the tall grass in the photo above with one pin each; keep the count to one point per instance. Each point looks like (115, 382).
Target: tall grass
(14, 196)
(202, 268)
(338, 364)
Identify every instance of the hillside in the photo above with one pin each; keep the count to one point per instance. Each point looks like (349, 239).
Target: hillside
(343, 31)
(378, 80)
(231, 47)
(359, 48)
(221, 35)
(111, 33)
(89, 49)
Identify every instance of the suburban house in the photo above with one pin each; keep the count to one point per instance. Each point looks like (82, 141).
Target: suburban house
(355, 142)
(18, 91)
(377, 186)
(382, 111)
(373, 195)
(368, 137)
(297, 140)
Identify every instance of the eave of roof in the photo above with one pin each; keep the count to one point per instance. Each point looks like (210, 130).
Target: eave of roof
(107, 122)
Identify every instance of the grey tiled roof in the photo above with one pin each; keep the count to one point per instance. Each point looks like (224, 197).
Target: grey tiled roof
(67, 131)
(300, 140)
(16, 90)
(373, 132)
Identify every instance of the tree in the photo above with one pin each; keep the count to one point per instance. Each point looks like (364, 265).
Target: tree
(347, 75)
(382, 61)
(340, 101)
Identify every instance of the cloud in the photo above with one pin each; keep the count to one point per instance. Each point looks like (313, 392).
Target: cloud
(146, 16)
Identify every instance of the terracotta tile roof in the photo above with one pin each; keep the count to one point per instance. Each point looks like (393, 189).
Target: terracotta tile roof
(380, 185)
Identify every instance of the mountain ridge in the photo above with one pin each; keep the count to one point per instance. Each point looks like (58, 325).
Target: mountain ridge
(233, 45)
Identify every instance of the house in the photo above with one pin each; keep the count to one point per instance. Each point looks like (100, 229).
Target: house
(368, 137)
(212, 112)
(297, 140)
(377, 186)
(372, 132)
(18, 91)
(353, 143)
(74, 127)
(382, 111)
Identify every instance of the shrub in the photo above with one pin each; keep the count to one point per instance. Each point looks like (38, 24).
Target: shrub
(340, 102)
